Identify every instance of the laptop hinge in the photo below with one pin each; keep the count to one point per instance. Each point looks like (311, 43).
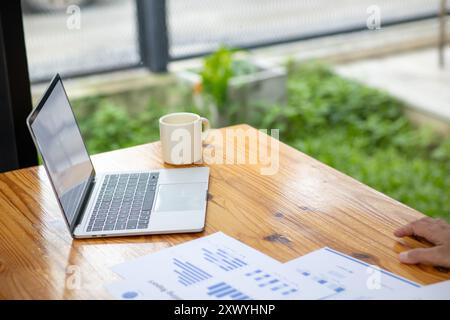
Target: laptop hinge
(84, 203)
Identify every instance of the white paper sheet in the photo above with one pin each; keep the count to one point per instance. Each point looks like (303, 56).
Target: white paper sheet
(437, 291)
(212, 267)
(350, 278)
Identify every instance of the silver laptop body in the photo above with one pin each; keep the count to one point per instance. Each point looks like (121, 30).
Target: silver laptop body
(111, 203)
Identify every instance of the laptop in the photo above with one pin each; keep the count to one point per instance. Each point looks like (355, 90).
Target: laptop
(111, 203)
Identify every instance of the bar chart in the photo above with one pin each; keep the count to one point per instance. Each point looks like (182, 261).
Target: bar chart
(223, 259)
(322, 280)
(270, 282)
(222, 290)
(188, 273)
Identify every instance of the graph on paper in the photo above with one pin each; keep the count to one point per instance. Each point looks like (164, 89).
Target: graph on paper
(212, 267)
(322, 280)
(223, 259)
(270, 282)
(223, 290)
(188, 273)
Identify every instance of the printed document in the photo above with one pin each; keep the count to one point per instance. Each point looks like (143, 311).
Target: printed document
(212, 267)
(349, 278)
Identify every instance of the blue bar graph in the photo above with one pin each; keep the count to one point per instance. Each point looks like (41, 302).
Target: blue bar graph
(266, 280)
(189, 274)
(223, 259)
(222, 290)
(289, 291)
(322, 281)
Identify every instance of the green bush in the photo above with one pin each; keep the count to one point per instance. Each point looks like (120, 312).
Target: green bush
(216, 73)
(112, 127)
(353, 128)
(363, 133)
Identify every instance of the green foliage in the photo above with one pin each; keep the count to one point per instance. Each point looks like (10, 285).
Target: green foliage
(362, 132)
(353, 128)
(216, 73)
(112, 127)
(415, 181)
(218, 69)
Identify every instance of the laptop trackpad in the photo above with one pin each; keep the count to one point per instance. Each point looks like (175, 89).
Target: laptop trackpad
(180, 197)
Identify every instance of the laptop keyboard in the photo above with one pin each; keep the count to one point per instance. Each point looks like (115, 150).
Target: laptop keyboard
(124, 202)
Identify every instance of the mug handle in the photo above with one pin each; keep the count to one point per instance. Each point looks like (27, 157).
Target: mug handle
(205, 127)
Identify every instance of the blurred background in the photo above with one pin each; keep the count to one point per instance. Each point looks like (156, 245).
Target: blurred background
(363, 86)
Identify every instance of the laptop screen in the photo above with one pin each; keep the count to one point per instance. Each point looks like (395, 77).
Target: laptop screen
(61, 146)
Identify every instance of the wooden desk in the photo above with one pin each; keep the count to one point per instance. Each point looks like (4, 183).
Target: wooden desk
(305, 206)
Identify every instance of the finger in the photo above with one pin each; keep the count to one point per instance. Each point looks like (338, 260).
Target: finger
(430, 256)
(404, 231)
(419, 228)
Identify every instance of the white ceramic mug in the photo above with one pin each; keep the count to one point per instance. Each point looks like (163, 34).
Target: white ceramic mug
(181, 136)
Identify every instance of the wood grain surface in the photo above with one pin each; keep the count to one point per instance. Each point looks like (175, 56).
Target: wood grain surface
(306, 205)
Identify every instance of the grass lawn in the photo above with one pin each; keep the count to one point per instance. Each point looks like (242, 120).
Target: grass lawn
(355, 129)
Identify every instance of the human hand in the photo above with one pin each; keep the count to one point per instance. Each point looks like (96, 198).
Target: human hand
(437, 231)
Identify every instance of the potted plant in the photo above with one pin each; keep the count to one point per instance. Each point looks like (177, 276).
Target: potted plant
(229, 85)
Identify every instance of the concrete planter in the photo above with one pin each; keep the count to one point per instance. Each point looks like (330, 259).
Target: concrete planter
(265, 87)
